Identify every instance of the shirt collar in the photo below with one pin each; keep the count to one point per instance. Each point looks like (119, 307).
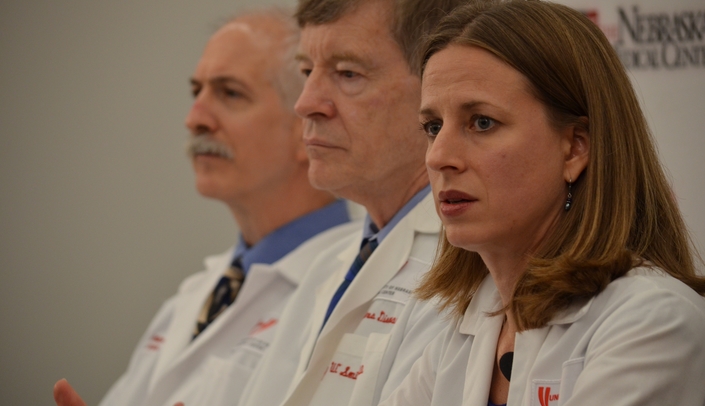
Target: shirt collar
(487, 300)
(286, 238)
(371, 231)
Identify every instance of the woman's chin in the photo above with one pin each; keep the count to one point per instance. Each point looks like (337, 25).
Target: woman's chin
(461, 239)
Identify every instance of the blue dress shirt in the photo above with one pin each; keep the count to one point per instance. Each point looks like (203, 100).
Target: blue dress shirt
(286, 238)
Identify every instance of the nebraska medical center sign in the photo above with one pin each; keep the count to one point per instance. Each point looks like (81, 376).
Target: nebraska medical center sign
(660, 39)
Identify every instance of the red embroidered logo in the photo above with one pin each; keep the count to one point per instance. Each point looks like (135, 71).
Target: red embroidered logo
(382, 318)
(262, 325)
(545, 395)
(334, 366)
(155, 342)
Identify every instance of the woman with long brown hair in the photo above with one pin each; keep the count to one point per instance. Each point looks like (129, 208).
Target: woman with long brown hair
(565, 257)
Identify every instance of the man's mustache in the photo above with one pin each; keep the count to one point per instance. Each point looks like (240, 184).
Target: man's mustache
(205, 144)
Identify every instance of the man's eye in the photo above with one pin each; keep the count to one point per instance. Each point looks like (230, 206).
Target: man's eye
(306, 72)
(432, 128)
(231, 93)
(483, 123)
(195, 91)
(348, 74)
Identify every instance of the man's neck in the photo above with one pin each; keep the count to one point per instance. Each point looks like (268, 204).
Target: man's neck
(381, 208)
(260, 218)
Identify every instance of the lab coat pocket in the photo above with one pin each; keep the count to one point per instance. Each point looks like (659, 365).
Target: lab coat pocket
(340, 377)
(571, 370)
(364, 391)
(218, 380)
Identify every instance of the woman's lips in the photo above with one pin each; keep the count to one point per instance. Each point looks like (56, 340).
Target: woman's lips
(454, 203)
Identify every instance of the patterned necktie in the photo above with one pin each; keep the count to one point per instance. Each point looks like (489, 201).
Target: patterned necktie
(368, 247)
(222, 296)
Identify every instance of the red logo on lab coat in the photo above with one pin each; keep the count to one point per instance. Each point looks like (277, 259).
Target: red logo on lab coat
(545, 395)
(262, 325)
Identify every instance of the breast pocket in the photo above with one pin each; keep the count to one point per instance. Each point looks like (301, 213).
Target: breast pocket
(556, 392)
(218, 380)
(352, 373)
(569, 375)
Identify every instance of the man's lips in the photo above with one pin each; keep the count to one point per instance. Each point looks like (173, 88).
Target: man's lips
(316, 142)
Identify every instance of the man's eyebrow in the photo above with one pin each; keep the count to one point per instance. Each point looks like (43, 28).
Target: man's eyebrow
(338, 57)
(220, 80)
(299, 57)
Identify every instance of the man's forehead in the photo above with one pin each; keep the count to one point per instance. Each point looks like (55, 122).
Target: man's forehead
(245, 33)
(236, 25)
(337, 42)
(234, 48)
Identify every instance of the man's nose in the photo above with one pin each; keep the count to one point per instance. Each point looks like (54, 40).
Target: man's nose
(316, 99)
(201, 118)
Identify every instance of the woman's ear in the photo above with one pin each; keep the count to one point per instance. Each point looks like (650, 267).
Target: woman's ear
(577, 149)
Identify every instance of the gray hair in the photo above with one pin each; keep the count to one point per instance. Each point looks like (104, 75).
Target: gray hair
(284, 74)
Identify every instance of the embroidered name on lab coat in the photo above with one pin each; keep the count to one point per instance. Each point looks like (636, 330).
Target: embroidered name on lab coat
(155, 342)
(382, 318)
(260, 336)
(347, 373)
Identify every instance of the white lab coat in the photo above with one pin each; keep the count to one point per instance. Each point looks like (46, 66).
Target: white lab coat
(372, 337)
(639, 342)
(167, 367)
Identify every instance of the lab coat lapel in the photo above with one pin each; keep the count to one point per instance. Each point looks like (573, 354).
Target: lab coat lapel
(324, 293)
(262, 276)
(527, 347)
(485, 332)
(186, 311)
(384, 263)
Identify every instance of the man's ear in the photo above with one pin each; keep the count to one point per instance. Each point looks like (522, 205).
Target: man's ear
(576, 148)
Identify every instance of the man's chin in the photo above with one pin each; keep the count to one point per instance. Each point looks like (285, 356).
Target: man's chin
(208, 188)
(328, 178)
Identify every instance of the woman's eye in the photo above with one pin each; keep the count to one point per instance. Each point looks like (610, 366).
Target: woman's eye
(432, 128)
(483, 123)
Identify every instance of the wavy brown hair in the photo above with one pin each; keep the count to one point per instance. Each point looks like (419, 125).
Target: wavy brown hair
(623, 210)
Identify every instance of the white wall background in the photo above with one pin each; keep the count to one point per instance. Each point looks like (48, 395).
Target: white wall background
(99, 220)
(98, 217)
